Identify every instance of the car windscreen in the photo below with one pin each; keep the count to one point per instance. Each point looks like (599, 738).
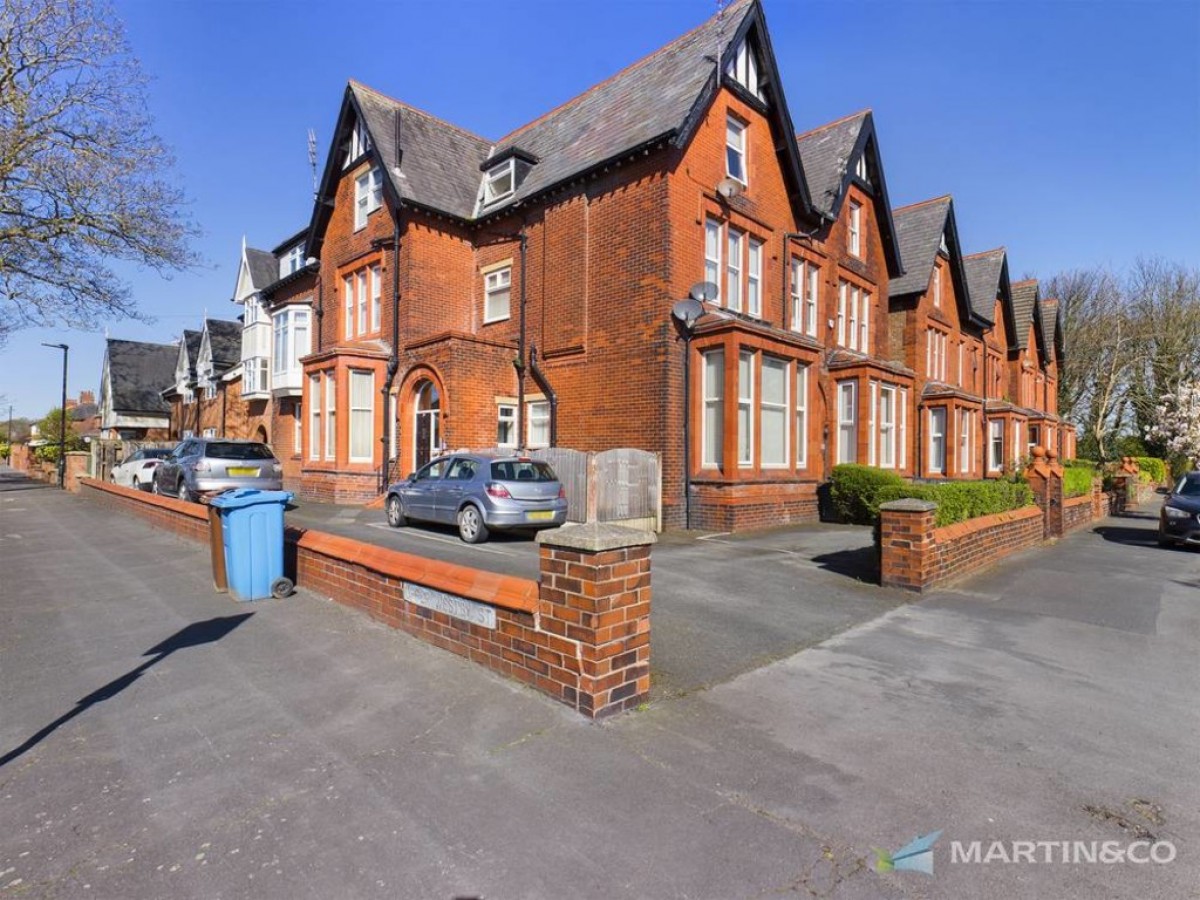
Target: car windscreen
(220, 450)
(1188, 487)
(522, 470)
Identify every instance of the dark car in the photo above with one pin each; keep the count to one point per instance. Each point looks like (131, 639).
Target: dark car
(1179, 520)
(209, 465)
(480, 494)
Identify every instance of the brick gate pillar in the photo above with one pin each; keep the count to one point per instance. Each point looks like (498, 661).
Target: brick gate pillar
(906, 543)
(594, 590)
(1044, 476)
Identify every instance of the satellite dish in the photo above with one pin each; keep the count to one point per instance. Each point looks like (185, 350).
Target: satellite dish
(686, 312)
(705, 292)
(729, 188)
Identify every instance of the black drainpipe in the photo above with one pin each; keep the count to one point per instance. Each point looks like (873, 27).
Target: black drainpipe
(393, 364)
(540, 378)
(320, 310)
(519, 363)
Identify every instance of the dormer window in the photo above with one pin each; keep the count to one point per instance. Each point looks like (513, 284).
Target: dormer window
(500, 182)
(360, 143)
(743, 68)
(292, 261)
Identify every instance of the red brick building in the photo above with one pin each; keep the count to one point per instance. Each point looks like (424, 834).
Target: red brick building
(458, 291)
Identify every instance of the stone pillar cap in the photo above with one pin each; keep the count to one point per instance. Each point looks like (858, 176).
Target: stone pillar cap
(595, 536)
(908, 504)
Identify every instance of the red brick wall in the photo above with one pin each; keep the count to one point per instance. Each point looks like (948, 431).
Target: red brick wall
(1076, 512)
(582, 635)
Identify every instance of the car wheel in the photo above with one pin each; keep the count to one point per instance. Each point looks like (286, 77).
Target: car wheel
(184, 494)
(470, 526)
(154, 486)
(395, 512)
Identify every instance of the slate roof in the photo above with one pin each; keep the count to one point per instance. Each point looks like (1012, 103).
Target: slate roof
(440, 165)
(919, 229)
(825, 153)
(1049, 325)
(82, 411)
(984, 271)
(225, 341)
(137, 374)
(1024, 297)
(264, 267)
(191, 341)
(439, 162)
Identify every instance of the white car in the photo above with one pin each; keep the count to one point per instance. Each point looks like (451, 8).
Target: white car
(137, 469)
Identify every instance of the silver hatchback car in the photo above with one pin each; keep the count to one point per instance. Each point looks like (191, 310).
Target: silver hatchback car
(209, 465)
(480, 494)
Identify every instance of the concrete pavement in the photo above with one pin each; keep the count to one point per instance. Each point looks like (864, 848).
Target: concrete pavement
(305, 751)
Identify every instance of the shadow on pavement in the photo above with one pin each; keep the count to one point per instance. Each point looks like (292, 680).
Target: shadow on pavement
(11, 480)
(194, 635)
(861, 563)
(1135, 537)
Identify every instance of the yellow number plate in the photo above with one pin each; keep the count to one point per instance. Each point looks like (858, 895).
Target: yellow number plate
(540, 515)
(242, 471)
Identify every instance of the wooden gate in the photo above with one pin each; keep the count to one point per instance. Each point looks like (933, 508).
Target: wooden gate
(628, 488)
(571, 467)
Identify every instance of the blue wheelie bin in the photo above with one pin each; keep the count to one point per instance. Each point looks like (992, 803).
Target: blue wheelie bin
(252, 532)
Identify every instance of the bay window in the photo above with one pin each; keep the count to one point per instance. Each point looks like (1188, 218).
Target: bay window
(886, 418)
(291, 341)
(937, 440)
(995, 445)
(966, 440)
(745, 411)
(773, 414)
(362, 416)
(330, 416)
(712, 426)
(801, 416)
(847, 396)
(314, 413)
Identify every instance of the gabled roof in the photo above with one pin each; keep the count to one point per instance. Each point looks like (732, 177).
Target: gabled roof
(438, 166)
(263, 266)
(1024, 301)
(920, 229)
(987, 281)
(830, 154)
(189, 349)
(1051, 328)
(225, 343)
(137, 374)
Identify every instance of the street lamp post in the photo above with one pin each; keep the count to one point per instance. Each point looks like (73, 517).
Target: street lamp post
(62, 424)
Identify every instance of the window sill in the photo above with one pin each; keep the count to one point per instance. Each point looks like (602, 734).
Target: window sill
(507, 318)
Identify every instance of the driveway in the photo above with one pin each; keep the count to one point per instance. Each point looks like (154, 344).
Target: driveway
(723, 603)
(158, 740)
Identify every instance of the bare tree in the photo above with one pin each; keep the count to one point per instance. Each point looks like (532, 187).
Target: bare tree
(1099, 352)
(84, 180)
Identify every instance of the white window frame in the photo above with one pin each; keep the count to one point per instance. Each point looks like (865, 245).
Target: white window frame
(966, 441)
(734, 240)
(856, 229)
(360, 142)
(360, 287)
(937, 440)
(348, 305)
(537, 414)
(779, 410)
(713, 238)
(495, 283)
(506, 415)
(712, 392)
(888, 430)
(747, 364)
(937, 286)
(995, 445)
(754, 278)
(864, 321)
(801, 416)
(368, 196)
(743, 68)
(314, 414)
(297, 427)
(852, 321)
(872, 423)
(805, 283)
(210, 393)
(290, 262)
(847, 447)
(361, 416)
(902, 431)
(287, 348)
(737, 157)
(494, 177)
(331, 415)
(843, 291)
(376, 273)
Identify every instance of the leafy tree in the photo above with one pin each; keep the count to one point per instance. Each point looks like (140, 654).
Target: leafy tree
(1176, 425)
(48, 430)
(84, 180)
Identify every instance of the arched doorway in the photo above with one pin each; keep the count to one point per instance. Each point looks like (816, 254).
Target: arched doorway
(427, 423)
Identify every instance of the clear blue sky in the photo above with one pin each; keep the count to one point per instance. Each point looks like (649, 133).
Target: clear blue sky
(1067, 131)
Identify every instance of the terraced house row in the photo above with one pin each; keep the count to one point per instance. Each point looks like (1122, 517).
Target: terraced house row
(453, 290)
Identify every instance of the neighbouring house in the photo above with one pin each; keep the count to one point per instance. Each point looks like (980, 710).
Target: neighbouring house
(204, 389)
(454, 290)
(131, 402)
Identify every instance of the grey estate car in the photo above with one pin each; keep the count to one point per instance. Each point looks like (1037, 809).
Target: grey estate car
(480, 494)
(208, 465)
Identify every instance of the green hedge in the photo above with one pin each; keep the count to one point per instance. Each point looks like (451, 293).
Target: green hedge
(1155, 469)
(1077, 481)
(854, 491)
(857, 491)
(1081, 464)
